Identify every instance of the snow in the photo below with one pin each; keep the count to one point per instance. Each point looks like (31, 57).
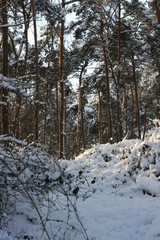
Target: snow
(12, 85)
(111, 191)
(128, 217)
(3, 103)
(7, 138)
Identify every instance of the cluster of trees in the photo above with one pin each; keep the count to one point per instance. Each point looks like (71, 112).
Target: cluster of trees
(118, 40)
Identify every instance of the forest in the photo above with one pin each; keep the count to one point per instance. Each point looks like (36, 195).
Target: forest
(109, 48)
(79, 119)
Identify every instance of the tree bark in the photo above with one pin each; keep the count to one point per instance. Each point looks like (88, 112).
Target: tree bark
(57, 112)
(144, 123)
(61, 80)
(126, 111)
(17, 116)
(5, 112)
(99, 113)
(136, 96)
(119, 75)
(107, 82)
(80, 121)
(132, 95)
(37, 74)
(26, 27)
(157, 10)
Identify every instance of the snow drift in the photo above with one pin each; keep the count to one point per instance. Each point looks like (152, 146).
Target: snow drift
(111, 191)
(130, 164)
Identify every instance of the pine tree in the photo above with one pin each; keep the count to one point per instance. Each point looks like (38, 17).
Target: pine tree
(4, 22)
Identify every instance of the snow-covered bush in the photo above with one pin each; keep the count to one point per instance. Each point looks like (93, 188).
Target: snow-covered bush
(31, 188)
(130, 162)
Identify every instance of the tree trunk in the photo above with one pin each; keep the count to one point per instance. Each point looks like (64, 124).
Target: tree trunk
(5, 113)
(37, 75)
(132, 95)
(57, 113)
(99, 113)
(126, 111)
(82, 127)
(26, 27)
(45, 104)
(61, 80)
(157, 10)
(80, 121)
(17, 116)
(136, 96)
(107, 82)
(144, 122)
(65, 148)
(119, 75)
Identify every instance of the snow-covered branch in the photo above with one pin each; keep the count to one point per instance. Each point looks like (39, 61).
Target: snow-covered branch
(12, 85)
(7, 138)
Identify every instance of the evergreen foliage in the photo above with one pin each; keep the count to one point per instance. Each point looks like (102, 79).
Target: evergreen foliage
(116, 93)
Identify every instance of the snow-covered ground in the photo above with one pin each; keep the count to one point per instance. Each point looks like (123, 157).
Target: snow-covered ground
(109, 192)
(131, 217)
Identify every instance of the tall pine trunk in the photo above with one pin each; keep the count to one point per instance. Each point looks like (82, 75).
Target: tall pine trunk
(26, 27)
(157, 10)
(126, 110)
(36, 120)
(132, 100)
(99, 112)
(80, 121)
(5, 112)
(107, 81)
(61, 80)
(119, 75)
(136, 96)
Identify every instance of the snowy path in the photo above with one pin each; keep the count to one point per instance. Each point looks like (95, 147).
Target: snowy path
(121, 218)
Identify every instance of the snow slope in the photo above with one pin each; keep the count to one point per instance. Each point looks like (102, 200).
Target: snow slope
(108, 192)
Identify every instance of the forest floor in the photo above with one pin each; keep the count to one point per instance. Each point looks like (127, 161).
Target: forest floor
(109, 192)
